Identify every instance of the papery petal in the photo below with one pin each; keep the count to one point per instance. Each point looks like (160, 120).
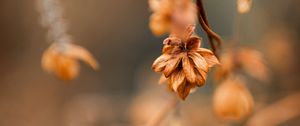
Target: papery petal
(193, 43)
(81, 53)
(172, 40)
(172, 64)
(170, 84)
(160, 63)
(189, 31)
(162, 79)
(177, 78)
(201, 77)
(199, 61)
(184, 90)
(209, 57)
(188, 70)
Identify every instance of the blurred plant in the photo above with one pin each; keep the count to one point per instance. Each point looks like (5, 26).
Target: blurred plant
(183, 62)
(87, 110)
(232, 100)
(238, 59)
(278, 112)
(61, 58)
(244, 6)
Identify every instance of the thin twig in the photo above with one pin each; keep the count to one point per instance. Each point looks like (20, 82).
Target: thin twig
(170, 105)
(278, 112)
(206, 27)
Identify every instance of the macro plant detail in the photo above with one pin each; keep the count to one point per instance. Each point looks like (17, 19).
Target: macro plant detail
(164, 63)
(232, 100)
(61, 58)
(237, 62)
(183, 62)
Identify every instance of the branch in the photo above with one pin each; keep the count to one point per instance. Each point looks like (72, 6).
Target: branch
(206, 27)
(277, 113)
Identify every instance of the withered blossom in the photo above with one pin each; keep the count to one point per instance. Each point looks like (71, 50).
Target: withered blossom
(184, 63)
(232, 100)
(62, 60)
(244, 6)
(249, 60)
(169, 15)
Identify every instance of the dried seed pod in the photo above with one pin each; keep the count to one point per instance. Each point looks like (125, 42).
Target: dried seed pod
(232, 100)
(62, 60)
(184, 63)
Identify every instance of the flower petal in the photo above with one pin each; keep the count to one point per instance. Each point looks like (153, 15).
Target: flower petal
(160, 63)
(171, 65)
(209, 56)
(169, 49)
(184, 90)
(199, 61)
(177, 78)
(162, 79)
(188, 70)
(172, 40)
(201, 77)
(81, 53)
(193, 43)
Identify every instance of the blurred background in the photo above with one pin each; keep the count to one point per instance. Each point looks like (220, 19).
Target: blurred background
(124, 92)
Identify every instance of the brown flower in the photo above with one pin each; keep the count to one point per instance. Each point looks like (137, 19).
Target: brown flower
(170, 15)
(249, 60)
(62, 60)
(232, 100)
(184, 63)
(160, 20)
(244, 6)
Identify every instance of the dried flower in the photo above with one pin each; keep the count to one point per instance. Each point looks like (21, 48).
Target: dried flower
(249, 60)
(232, 100)
(244, 6)
(62, 60)
(160, 20)
(184, 63)
(170, 15)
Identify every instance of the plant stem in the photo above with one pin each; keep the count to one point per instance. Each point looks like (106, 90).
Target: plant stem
(206, 27)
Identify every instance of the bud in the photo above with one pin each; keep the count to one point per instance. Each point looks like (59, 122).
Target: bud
(232, 100)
